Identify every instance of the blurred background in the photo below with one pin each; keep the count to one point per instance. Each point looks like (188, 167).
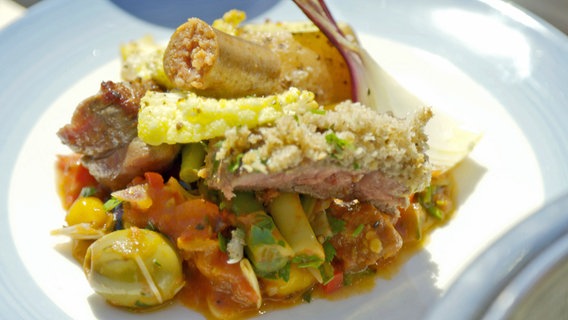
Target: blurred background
(553, 11)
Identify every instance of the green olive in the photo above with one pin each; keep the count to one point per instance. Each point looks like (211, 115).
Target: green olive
(134, 268)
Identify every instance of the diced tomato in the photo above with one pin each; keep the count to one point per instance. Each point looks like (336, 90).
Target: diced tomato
(194, 219)
(155, 180)
(71, 178)
(334, 284)
(176, 213)
(213, 265)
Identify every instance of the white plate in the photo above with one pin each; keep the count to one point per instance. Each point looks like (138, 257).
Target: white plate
(485, 62)
(523, 275)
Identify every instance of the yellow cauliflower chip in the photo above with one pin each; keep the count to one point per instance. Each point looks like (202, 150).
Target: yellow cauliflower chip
(184, 117)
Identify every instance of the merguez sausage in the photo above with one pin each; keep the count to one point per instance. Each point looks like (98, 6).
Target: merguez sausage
(203, 59)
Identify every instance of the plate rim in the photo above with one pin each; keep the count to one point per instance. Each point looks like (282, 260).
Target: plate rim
(42, 11)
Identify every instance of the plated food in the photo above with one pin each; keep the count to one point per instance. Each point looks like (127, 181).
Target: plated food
(238, 181)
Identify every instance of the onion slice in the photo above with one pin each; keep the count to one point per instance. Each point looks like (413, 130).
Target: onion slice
(450, 142)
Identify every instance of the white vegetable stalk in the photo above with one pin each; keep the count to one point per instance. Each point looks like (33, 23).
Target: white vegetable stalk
(372, 86)
(235, 247)
(80, 231)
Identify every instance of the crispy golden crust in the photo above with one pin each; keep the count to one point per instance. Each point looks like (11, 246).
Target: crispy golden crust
(373, 141)
(350, 152)
(308, 61)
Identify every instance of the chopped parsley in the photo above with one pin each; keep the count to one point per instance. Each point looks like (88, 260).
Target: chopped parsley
(111, 203)
(222, 242)
(337, 143)
(235, 165)
(329, 251)
(306, 261)
(87, 192)
(260, 236)
(336, 225)
(307, 296)
(326, 272)
(428, 202)
(358, 230)
(283, 273)
(318, 111)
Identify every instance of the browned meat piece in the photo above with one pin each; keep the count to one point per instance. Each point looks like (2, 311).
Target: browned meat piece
(368, 236)
(107, 120)
(199, 57)
(123, 164)
(323, 182)
(367, 156)
(103, 130)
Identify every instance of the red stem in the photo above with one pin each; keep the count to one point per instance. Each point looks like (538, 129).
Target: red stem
(319, 14)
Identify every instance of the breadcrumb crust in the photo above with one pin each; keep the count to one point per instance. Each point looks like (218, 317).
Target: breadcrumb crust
(370, 141)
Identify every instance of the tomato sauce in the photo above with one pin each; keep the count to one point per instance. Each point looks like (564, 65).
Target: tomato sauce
(71, 177)
(194, 225)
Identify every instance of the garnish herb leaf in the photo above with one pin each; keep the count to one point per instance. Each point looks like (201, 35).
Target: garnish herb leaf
(326, 272)
(358, 230)
(427, 201)
(111, 203)
(222, 242)
(283, 273)
(318, 111)
(261, 236)
(235, 165)
(307, 296)
(329, 250)
(87, 192)
(305, 261)
(337, 143)
(337, 225)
